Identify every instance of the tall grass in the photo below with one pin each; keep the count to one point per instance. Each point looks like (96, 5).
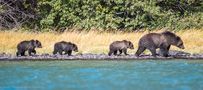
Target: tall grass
(93, 41)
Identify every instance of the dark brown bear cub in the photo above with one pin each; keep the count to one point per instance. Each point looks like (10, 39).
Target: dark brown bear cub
(120, 46)
(28, 46)
(163, 41)
(66, 47)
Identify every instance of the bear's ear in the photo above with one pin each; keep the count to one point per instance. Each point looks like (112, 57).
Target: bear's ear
(74, 46)
(177, 38)
(36, 41)
(32, 42)
(125, 41)
(129, 43)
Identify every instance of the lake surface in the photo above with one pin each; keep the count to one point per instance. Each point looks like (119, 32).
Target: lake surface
(102, 75)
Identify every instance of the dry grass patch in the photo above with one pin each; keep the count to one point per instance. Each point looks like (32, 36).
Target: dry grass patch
(92, 42)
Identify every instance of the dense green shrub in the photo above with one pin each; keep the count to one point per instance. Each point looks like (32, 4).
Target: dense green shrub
(126, 15)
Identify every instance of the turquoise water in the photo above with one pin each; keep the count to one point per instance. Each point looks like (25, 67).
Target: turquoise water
(102, 75)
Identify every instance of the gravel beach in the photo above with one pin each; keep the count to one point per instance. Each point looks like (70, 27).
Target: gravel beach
(88, 56)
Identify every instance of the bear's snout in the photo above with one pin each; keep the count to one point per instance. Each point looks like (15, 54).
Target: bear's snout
(131, 47)
(40, 47)
(182, 47)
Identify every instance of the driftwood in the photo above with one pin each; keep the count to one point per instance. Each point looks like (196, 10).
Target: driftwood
(15, 13)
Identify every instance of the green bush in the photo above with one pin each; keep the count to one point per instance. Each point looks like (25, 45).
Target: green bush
(128, 15)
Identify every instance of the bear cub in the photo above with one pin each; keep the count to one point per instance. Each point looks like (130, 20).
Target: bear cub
(29, 46)
(163, 41)
(66, 47)
(120, 46)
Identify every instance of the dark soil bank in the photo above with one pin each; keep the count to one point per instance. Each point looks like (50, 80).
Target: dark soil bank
(173, 55)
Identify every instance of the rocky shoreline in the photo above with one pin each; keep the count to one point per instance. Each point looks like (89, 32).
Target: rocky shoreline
(47, 57)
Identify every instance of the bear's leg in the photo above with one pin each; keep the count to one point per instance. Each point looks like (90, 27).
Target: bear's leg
(125, 51)
(164, 52)
(153, 51)
(17, 53)
(30, 52)
(167, 50)
(115, 52)
(60, 52)
(140, 50)
(168, 47)
(22, 53)
(69, 53)
(120, 52)
(34, 51)
(110, 52)
(55, 52)
(66, 52)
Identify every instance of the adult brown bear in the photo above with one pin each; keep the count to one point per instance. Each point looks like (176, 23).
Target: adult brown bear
(120, 46)
(163, 41)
